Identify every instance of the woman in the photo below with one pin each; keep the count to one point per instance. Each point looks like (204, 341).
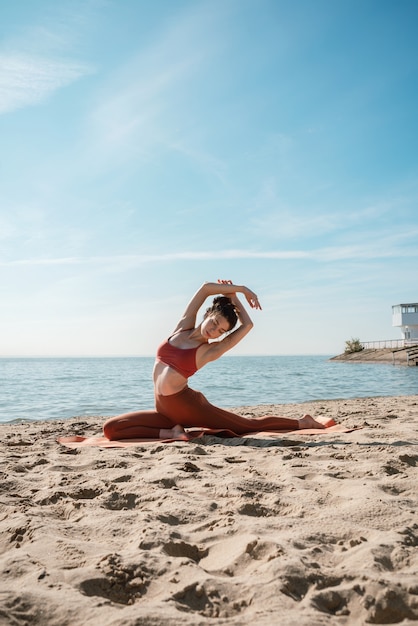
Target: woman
(187, 350)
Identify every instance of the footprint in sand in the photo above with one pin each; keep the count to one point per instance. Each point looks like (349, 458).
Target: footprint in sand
(120, 501)
(183, 549)
(391, 469)
(332, 601)
(410, 535)
(254, 509)
(20, 535)
(119, 582)
(409, 459)
(82, 493)
(392, 490)
(388, 605)
(239, 555)
(208, 601)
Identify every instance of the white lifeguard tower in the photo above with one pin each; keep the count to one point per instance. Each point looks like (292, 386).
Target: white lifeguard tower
(406, 317)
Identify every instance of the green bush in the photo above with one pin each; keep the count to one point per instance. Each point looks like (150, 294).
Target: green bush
(353, 345)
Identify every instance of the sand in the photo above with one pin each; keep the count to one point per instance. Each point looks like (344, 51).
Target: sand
(306, 530)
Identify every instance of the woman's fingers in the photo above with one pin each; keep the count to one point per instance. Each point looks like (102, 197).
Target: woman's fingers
(253, 301)
(251, 297)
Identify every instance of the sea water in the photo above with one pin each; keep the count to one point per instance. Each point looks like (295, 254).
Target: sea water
(59, 388)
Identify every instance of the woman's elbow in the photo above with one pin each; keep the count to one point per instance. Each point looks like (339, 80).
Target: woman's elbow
(247, 326)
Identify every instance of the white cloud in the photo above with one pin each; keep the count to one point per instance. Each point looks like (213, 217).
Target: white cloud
(144, 108)
(326, 254)
(25, 80)
(135, 106)
(134, 260)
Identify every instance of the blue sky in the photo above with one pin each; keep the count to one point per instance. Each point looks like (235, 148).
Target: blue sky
(147, 147)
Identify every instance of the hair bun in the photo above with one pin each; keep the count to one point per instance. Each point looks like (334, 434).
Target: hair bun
(222, 301)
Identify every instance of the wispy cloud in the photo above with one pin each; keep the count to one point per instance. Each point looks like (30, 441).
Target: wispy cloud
(321, 254)
(146, 107)
(280, 219)
(129, 114)
(154, 258)
(25, 80)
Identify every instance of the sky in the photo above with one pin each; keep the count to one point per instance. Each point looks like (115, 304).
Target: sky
(148, 147)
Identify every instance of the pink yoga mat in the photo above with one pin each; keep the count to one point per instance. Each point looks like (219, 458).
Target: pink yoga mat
(77, 441)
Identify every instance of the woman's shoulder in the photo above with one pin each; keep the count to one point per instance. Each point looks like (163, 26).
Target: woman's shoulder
(180, 330)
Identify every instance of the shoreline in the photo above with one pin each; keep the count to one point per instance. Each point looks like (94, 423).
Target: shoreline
(321, 529)
(287, 409)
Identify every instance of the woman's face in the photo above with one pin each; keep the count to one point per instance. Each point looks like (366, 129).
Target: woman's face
(214, 326)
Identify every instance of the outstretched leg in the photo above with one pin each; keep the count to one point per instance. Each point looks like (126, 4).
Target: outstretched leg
(191, 408)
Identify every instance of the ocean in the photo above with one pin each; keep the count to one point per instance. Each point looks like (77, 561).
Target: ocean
(59, 388)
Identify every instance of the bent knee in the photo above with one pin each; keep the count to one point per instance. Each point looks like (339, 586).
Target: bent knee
(109, 431)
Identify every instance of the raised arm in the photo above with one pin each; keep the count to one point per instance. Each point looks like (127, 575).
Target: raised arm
(188, 319)
(246, 324)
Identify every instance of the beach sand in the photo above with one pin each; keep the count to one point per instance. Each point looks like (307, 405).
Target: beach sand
(304, 529)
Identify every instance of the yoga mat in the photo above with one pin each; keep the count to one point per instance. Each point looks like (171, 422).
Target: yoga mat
(78, 441)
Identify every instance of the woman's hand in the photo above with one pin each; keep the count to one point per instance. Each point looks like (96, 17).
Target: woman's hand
(252, 299)
(250, 296)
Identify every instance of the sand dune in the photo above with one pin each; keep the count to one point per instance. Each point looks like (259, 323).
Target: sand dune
(307, 530)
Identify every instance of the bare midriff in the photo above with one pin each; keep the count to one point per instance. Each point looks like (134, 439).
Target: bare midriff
(166, 380)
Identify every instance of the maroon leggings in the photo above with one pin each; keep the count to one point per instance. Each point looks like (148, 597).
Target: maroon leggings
(188, 408)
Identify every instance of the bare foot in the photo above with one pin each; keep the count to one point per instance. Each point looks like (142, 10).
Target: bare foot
(307, 421)
(177, 432)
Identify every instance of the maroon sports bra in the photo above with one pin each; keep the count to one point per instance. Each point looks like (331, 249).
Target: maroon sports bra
(183, 360)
